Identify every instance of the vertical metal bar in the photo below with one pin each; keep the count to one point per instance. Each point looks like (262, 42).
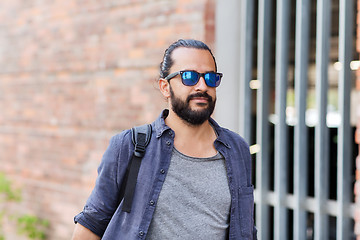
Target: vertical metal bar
(300, 138)
(262, 157)
(321, 132)
(344, 135)
(246, 41)
(282, 59)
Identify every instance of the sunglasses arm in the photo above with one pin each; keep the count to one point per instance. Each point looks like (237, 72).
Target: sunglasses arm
(172, 75)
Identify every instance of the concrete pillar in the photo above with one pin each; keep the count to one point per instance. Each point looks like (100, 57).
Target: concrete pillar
(227, 38)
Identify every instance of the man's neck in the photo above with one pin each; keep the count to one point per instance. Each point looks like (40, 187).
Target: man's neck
(192, 140)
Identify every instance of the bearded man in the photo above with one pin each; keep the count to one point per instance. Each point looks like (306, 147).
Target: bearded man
(194, 181)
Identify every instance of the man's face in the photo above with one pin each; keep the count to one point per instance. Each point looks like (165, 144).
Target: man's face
(193, 104)
(183, 110)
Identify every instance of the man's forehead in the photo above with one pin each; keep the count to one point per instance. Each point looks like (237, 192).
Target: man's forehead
(186, 51)
(190, 56)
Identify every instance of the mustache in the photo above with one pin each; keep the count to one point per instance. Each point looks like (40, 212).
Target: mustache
(199, 94)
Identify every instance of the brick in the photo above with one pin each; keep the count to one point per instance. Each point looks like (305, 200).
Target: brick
(357, 83)
(357, 215)
(357, 229)
(357, 136)
(71, 77)
(357, 188)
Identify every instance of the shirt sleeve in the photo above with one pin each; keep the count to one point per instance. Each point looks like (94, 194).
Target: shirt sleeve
(104, 198)
(255, 233)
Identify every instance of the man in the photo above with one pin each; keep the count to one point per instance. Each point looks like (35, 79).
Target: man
(194, 181)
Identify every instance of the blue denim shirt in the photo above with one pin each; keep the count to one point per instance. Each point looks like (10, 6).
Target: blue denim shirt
(102, 213)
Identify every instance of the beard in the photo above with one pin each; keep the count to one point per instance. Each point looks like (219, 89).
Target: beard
(184, 111)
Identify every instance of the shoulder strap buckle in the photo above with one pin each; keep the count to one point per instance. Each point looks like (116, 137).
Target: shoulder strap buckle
(140, 137)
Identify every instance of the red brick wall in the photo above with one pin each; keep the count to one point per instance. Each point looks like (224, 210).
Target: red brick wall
(357, 135)
(74, 73)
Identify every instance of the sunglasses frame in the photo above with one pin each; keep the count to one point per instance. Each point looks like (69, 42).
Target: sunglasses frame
(172, 75)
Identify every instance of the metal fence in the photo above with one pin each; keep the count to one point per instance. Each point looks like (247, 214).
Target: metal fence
(283, 211)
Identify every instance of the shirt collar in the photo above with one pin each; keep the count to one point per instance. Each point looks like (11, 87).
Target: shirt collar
(159, 124)
(160, 127)
(221, 136)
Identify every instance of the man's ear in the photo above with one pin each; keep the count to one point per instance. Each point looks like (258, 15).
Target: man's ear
(164, 87)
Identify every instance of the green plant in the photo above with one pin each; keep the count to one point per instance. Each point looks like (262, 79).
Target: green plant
(7, 191)
(29, 225)
(32, 226)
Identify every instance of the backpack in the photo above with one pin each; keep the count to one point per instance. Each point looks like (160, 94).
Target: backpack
(140, 137)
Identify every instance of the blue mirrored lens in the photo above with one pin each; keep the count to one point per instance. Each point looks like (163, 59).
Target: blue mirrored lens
(190, 78)
(210, 79)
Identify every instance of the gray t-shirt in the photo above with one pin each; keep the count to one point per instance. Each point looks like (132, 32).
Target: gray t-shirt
(195, 200)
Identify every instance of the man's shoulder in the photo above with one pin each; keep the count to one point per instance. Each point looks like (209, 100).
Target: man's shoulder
(228, 134)
(234, 136)
(125, 137)
(120, 139)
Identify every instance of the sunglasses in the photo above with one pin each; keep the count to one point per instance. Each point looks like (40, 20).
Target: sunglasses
(191, 78)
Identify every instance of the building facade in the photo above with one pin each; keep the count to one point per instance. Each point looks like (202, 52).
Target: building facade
(74, 73)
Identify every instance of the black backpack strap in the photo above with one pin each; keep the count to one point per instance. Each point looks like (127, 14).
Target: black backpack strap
(140, 137)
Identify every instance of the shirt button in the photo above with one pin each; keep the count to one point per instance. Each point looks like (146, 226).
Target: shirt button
(168, 143)
(141, 233)
(162, 171)
(152, 202)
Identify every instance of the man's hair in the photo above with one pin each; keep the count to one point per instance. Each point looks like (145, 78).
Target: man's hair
(167, 62)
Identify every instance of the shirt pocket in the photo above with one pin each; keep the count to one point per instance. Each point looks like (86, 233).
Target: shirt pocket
(246, 208)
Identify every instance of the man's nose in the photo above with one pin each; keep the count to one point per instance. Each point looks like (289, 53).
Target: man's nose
(201, 84)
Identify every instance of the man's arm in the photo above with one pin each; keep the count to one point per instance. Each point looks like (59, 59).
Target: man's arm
(105, 197)
(82, 233)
